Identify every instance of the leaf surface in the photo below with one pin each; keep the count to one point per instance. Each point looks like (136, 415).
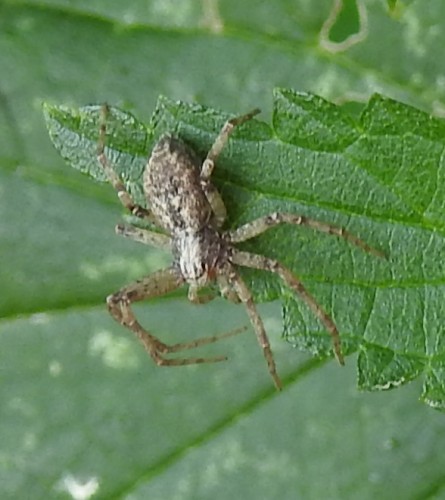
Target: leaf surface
(83, 410)
(320, 162)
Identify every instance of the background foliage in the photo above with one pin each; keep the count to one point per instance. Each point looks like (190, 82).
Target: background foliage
(82, 408)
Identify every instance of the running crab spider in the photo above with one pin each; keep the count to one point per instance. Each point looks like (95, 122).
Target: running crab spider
(190, 212)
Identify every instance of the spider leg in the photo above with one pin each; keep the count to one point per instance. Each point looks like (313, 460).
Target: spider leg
(226, 289)
(195, 298)
(246, 298)
(258, 226)
(255, 261)
(212, 195)
(155, 285)
(145, 236)
(216, 202)
(206, 340)
(220, 141)
(124, 196)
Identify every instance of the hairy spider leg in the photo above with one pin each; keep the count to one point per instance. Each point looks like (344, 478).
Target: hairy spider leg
(255, 261)
(262, 224)
(144, 236)
(157, 284)
(124, 196)
(246, 298)
(221, 140)
(212, 194)
(153, 285)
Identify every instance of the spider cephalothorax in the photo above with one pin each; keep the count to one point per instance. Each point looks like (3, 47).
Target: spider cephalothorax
(189, 211)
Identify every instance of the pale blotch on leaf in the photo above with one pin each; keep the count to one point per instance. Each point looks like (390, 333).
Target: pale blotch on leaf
(115, 352)
(22, 407)
(94, 271)
(55, 368)
(78, 489)
(414, 35)
(39, 319)
(374, 477)
(29, 441)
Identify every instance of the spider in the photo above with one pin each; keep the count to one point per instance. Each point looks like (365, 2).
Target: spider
(187, 208)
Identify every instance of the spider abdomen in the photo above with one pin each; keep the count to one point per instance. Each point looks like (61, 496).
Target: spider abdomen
(173, 188)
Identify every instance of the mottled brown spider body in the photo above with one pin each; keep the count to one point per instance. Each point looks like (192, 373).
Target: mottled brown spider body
(180, 202)
(171, 175)
(189, 212)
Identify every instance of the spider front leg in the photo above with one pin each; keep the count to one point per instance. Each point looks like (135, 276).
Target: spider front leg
(155, 285)
(124, 196)
(220, 141)
(213, 196)
(255, 261)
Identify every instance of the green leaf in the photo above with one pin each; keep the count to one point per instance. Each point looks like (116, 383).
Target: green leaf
(82, 408)
(392, 4)
(75, 136)
(356, 174)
